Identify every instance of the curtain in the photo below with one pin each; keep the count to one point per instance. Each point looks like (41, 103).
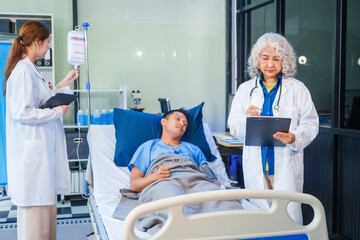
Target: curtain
(4, 51)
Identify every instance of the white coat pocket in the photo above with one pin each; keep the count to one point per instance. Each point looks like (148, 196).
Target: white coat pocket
(35, 153)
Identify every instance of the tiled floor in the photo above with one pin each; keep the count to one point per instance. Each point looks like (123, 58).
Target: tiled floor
(73, 207)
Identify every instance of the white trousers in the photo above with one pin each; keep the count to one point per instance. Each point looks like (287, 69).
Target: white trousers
(36, 222)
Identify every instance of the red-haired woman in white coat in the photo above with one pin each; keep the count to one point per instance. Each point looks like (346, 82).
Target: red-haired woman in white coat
(37, 160)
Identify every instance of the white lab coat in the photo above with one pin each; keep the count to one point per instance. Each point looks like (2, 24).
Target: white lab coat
(295, 103)
(37, 160)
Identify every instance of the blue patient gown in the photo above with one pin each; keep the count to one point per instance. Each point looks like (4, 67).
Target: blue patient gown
(150, 150)
(185, 177)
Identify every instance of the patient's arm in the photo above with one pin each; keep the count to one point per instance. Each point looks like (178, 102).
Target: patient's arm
(207, 171)
(138, 181)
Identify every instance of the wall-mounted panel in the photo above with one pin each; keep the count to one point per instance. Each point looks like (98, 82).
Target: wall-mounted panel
(318, 174)
(349, 188)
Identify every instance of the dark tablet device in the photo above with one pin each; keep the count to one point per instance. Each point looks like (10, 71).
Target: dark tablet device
(58, 100)
(260, 131)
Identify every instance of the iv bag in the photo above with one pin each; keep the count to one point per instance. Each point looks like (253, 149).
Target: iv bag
(76, 48)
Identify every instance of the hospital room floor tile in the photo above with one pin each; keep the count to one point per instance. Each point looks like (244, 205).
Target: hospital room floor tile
(73, 207)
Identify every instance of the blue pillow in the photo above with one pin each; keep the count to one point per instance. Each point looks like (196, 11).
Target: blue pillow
(134, 128)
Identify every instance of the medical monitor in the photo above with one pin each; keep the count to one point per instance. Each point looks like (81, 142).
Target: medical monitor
(164, 105)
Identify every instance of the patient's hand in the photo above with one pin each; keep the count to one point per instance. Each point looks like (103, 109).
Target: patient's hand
(138, 181)
(162, 173)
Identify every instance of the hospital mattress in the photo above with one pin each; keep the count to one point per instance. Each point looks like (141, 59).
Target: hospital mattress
(107, 180)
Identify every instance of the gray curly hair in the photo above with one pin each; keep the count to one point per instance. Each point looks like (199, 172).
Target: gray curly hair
(283, 50)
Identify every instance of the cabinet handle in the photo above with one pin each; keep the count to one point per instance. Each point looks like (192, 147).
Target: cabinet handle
(78, 140)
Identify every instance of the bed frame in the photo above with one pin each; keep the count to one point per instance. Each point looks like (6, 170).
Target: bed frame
(236, 224)
(97, 223)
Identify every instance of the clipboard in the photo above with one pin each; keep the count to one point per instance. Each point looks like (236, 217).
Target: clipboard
(58, 100)
(260, 130)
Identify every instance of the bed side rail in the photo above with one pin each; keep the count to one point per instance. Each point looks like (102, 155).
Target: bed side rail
(234, 224)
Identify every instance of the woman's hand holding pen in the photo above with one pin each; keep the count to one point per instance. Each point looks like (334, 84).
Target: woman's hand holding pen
(70, 77)
(286, 138)
(253, 111)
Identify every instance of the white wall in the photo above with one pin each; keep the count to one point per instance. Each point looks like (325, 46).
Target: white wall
(62, 16)
(62, 12)
(183, 47)
(183, 52)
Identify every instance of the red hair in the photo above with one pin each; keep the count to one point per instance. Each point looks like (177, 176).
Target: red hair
(29, 32)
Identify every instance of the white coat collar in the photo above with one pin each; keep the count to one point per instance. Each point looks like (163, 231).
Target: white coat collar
(286, 82)
(36, 70)
(30, 63)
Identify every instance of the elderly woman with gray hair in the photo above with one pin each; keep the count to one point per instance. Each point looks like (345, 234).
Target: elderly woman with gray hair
(273, 91)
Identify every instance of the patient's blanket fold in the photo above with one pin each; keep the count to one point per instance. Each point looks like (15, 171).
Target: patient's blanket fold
(174, 160)
(124, 207)
(185, 177)
(125, 192)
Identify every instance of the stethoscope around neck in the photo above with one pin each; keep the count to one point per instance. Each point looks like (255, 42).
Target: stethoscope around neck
(276, 107)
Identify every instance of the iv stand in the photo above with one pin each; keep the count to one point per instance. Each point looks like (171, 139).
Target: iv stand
(89, 178)
(85, 25)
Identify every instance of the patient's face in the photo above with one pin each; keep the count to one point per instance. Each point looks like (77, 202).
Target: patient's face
(175, 124)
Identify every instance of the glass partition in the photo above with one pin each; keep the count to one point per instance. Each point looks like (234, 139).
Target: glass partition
(352, 73)
(263, 20)
(309, 26)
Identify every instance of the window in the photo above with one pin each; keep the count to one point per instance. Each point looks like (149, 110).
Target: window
(352, 69)
(263, 20)
(309, 27)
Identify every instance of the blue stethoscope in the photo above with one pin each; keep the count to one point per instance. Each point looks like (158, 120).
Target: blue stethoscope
(256, 85)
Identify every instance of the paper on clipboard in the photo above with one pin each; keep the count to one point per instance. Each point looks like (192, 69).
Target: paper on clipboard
(260, 130)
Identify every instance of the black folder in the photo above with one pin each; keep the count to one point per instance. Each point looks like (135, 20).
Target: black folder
(260, 130)
(58, 100)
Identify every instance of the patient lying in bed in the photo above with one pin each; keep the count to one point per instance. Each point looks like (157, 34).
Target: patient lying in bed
(168, 167)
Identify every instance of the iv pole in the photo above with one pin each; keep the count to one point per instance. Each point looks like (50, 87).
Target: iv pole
(89, 178)
(85, 25)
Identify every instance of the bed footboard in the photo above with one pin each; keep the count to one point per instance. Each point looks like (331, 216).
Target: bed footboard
(234, 224)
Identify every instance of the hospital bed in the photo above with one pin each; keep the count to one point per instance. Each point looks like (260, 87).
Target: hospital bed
(272, 224)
